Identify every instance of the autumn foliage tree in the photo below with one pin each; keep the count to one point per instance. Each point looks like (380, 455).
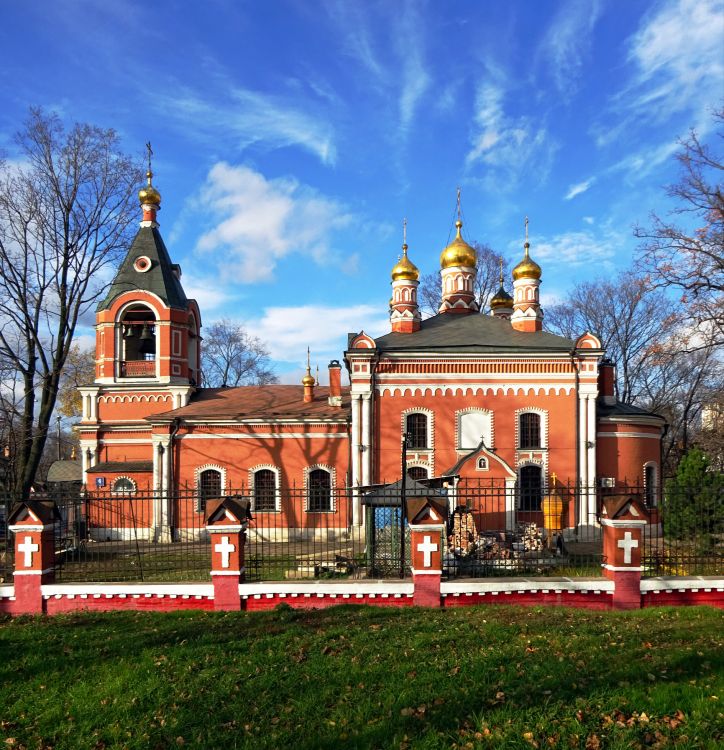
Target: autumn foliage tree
(66, 208)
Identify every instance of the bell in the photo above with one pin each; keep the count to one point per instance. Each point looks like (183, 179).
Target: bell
(128, 332)
(146, 334)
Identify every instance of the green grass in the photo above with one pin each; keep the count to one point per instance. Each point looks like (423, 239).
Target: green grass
(357, 677)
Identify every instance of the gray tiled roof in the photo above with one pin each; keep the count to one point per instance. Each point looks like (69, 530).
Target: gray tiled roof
(619, 409)
(65, 471)
(472, 333)
(160, 279)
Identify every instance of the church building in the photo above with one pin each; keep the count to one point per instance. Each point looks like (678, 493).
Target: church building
(480, 397)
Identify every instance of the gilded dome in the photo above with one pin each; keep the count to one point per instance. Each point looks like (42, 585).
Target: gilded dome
(148, 194)
(527, 268)
(309, 379)
(501, 299)
(458, 252)
(405, 268)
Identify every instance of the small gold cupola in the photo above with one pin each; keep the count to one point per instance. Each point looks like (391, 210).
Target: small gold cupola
(405, 268)
(148, 195)
(527, 268)
(501, 299)
(308, 381)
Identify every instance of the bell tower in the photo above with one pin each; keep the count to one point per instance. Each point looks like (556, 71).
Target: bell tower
(147, 331)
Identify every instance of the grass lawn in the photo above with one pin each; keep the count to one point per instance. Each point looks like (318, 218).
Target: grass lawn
(358, 677)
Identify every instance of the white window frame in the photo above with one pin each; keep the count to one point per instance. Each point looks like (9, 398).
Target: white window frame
(430, 414)
(277, 490)
(133, 489)
(332, 487)
(197, 482)
(655, 494)
(458, 427)
(543, 414)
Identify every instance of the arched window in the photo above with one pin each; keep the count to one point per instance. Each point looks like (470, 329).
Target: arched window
(482, 463)
(209, 487)
(531, 487)
(529, 430)
(319, 491)
(265, 490)
(416, 429)
(124, 485)
(650, 488)
(417, 473)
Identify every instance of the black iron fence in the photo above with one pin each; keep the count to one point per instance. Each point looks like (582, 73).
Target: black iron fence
(686, 535)
(348, 534)
(7, 546)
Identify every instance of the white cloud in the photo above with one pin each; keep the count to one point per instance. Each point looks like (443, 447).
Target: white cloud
(249, 117)
(288, 331)
(589, 220)
(257, 221)
(207, 293)
(507, 145)
(567, 40)
(579, 188)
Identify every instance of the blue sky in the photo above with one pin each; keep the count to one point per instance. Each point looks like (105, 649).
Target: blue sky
(291, 138)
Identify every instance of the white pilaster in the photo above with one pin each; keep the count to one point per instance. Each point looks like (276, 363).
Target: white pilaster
(366, 452)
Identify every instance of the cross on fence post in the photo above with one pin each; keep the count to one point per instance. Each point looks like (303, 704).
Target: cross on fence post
(226, 520)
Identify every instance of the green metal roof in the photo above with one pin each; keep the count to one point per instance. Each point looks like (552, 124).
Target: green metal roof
(473, 333)
(160, 280)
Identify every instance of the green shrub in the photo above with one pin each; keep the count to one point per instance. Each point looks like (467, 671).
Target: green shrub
(694, 502)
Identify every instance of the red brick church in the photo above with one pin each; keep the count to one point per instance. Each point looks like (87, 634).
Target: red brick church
(481, 396)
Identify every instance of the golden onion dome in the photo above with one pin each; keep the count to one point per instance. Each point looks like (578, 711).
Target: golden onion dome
(501, 299)
(405, 268)
(527, 268)
(148, 194)
(458, 252)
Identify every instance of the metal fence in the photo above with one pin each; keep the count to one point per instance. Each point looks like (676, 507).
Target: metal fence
(686, 535)
(494, 529)
(7, 546)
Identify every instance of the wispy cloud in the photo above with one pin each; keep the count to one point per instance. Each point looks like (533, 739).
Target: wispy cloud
(578, 188)
(388, 42)
(504, 143)
(248, 117)
(256, 221)
(565, 46)
(677, 67)
(289, 330)
(573, 249)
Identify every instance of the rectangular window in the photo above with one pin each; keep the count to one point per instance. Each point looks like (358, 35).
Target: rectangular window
(530, 430)
(319, 491)
(416, 428)
(265, 491)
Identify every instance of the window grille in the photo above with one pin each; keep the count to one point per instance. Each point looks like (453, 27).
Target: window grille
(650, 485)
(416, 428)
(124, 484)
(209, 487)
(530, 430)
(319, 491)
(265, 490)
(417, 473)
(531, 487)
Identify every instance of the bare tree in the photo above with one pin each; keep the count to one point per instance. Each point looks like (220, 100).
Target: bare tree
(231, 357)
(487, 281)
(690, 258)
(631, 319)
(65, 213)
